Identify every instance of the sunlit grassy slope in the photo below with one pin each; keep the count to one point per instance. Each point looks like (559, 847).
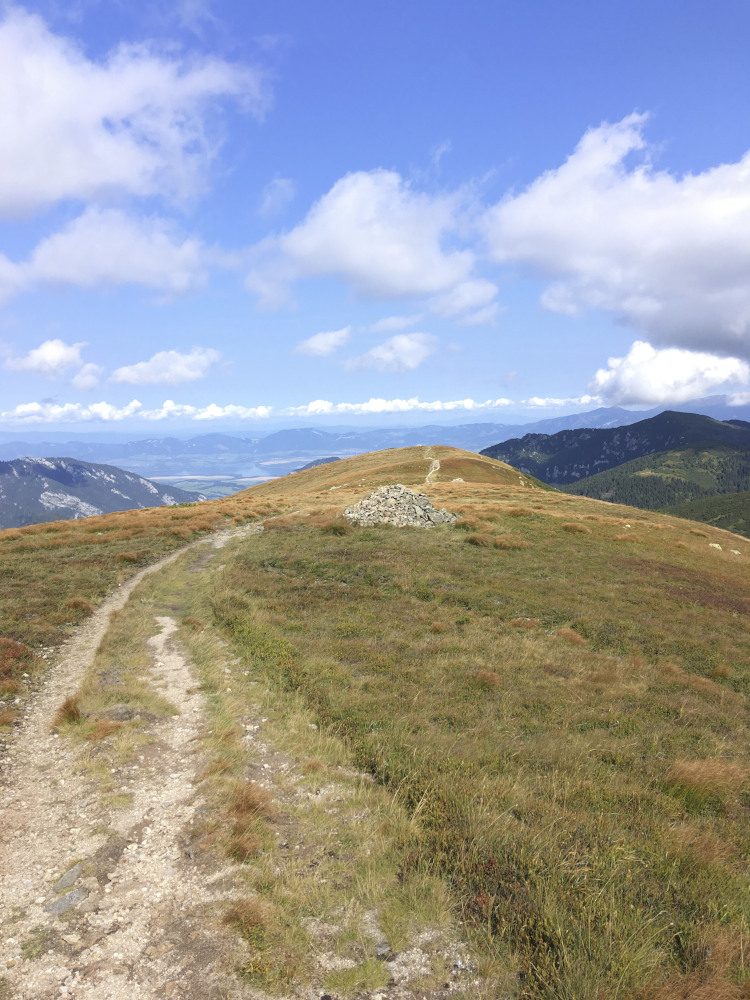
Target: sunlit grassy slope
(556, 687)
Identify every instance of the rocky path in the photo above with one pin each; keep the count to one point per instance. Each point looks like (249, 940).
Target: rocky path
(97, 901)
(435, 467)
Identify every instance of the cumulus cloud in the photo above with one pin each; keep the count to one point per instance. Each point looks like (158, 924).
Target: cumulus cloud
(373, 232)
(667, 254)
(106, 246)
(56, 413)
(322, 344)
(402, 353)
(136, 122)
(666, 376)
(169, 367)
(88, 377)
(52, 358)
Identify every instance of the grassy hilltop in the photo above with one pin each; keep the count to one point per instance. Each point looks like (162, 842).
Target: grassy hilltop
(555, 690)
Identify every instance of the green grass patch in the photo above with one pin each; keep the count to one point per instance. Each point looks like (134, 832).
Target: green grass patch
(536, 770)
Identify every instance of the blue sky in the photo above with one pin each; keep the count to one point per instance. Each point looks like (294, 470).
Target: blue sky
(217, 214)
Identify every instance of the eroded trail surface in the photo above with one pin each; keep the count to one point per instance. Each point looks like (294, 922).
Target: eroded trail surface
(98, 901)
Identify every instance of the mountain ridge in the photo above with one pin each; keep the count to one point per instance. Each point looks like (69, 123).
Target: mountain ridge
(38, 490)
(572, 455)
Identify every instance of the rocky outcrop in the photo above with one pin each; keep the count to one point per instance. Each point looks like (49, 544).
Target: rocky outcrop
(400, 506)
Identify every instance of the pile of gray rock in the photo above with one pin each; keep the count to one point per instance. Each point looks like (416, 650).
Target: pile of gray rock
(400, 506)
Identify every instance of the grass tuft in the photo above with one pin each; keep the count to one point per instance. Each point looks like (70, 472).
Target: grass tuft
(575, 528)
(510, 542)
(250, 918)
(572, 636)
(68, 714)
(480, 540)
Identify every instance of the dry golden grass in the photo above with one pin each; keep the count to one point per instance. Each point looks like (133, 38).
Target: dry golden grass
(68, 713)
(510, 542)
(248, 800)
(571, 636)
(479, 540)
(722, 670)
(103, 729)
(695, 986)
(718, 775)
(79, 604)
(575, 528)
(488, 678)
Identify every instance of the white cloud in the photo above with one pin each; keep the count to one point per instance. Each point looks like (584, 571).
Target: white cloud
(232, 411)
(373, 232)
(276, 195)
(87, 378)
(137, 122)
(52, 358)
(321, 407)
(54, 413)
(322, 344)
(666, 376)
(473, 294)
(402, 353)
(106, 246)
(389, 324)
(669, 255)
(551, 402)
(169, 367)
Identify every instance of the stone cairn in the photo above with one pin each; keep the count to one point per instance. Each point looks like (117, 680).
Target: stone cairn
(400, 506)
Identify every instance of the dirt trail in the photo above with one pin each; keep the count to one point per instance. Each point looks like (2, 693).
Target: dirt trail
(121, 924)
(435, 467)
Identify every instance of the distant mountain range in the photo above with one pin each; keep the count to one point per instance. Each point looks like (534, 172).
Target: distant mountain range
(35, 490)
(573, 455)
(285, 451)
